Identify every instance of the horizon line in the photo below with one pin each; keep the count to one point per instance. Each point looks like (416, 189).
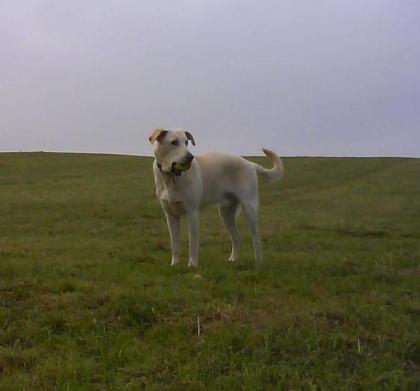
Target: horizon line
(262, 155)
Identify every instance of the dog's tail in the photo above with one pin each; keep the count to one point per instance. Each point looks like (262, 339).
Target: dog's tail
(274, 174)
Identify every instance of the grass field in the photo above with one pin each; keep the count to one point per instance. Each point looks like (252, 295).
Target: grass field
(89, 301)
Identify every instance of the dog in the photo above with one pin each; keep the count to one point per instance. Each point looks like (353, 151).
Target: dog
(186, 183)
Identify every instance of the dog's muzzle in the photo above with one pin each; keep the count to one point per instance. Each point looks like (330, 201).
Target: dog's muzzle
(178, 168)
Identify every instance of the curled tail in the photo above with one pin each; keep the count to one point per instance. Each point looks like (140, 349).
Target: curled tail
(274, 174)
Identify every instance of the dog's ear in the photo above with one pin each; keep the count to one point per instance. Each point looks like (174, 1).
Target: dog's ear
(157, 135)
(190, 137)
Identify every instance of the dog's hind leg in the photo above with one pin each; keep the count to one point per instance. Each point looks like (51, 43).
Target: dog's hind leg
(228, 215)
(250, 211)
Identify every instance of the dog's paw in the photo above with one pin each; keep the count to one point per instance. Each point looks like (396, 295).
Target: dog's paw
(174, 261)
(192, 263)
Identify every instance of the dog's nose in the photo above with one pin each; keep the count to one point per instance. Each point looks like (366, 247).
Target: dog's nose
(189, 157)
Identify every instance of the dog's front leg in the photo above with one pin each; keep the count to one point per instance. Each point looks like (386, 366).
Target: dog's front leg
(174, 227)
(194, 236)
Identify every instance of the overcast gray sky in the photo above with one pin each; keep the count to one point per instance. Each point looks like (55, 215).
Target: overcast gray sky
(303, 77)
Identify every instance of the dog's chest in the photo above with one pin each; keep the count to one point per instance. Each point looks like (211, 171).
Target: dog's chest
(173, 196)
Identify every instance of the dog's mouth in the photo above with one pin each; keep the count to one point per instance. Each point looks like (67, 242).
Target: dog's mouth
(178, 168)
(187, 164)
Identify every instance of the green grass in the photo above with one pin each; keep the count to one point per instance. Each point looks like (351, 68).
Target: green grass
(88, 299)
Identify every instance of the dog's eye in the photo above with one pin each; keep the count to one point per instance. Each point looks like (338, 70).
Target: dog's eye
(175, 142)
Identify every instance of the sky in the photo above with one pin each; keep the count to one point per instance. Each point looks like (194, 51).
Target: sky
(317, 78)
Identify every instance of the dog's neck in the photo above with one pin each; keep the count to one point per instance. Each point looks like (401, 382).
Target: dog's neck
(169, 177)
(170, 191)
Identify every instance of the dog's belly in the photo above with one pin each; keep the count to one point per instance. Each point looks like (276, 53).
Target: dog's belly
(223, 199)
(227, 199)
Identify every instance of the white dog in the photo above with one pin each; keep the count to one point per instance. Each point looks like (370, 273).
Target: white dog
(185, 184)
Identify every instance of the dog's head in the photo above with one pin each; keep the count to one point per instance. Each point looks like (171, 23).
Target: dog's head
(171, 148)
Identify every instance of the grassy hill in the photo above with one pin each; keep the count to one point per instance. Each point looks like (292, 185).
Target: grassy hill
(88, 299)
